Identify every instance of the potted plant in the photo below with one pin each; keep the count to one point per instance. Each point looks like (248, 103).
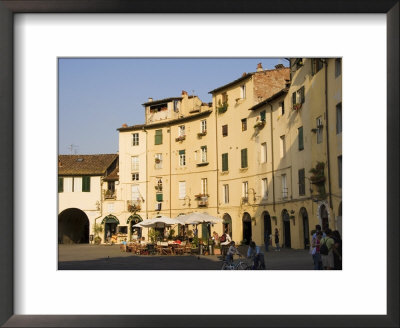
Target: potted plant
(202, 134)
(157, 160)
(222, 107)
(259, 124)
(296, 106)
(97, 240)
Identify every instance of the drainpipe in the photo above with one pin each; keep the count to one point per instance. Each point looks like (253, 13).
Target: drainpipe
(327, 133)
(216, 151)
(273, 171)
(170, 172)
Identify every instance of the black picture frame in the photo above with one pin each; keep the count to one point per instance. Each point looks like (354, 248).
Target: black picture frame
(10, 7)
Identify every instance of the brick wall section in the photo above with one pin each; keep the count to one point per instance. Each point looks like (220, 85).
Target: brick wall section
(269, 82)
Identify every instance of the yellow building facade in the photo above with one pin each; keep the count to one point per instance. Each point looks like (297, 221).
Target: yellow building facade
(247, 157)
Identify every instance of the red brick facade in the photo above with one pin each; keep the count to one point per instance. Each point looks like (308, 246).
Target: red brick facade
(269, 82)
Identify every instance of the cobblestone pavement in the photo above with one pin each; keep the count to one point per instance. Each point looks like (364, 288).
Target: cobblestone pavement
(101, 257)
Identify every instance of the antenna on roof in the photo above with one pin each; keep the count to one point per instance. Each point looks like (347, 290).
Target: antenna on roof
(73, 149)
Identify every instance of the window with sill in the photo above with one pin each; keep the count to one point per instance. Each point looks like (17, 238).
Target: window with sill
(264, 188)
(225, 162)
(60, 184)
(135, 176)
(300, 138)
(264, 152)
(338, 67)
(226, 193)
(243, 155)
(135, 139)
(158, 137)
(339, 118)
(302, 182)
(203, 154)
(181, 131)
(134, 163)
(203, 126)
(316, 65)
(225, 130)
(182, 158)
(244, 124)
(243, 91)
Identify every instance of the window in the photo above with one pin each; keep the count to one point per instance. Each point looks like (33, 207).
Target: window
(182, 158)
(203, 126)
(284, 187)
(283, 146)
(225, 166)
(135, 176)
(264, 188)
(338, 67)
(340, 170)
(243, 154)
(224, 97)
(158, 137)
(135, 139)
(302, 182)
(204, 187)
(68, 182)
(262, 115)
(123, 229)
(316, 65)
(135, 163)
(226, 193)
(339, 118)
(158, 161)
(60, 184)
(86, 184)
(245, 189)
(77, 185)
(300, 95)
(176, 108)
(243, 91)
(181, 131)
(319, 129)
(159, 197)
(264, 152)
(300, 138)
(244, 124)
(224, 130)
(282, 108)
(182, 189)
(135, 194)
(203, 154)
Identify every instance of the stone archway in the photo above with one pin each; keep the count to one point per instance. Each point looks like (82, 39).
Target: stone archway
(267, 224)
(246, 222)
(73, 227)
(133, 231)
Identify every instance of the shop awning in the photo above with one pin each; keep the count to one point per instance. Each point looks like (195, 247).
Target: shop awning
(110, 219)
(134, 218)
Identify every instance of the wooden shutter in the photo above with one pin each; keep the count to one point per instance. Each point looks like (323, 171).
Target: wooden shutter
(225, 162)
(159, 197)
(158, 137)
(301, 142)
(262, 115)
(302, 97)
(244, 158)
(302, 189)
(60, 184)
(86, 184)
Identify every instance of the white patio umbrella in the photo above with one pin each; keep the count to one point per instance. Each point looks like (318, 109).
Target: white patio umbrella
(197, 218)
(158, 222)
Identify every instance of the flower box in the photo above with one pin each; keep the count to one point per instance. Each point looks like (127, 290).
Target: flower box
(202, 134)
(259, 125)
(296, 106)
(180, 138)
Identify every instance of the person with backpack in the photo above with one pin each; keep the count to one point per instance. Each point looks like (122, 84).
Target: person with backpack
(326, 250)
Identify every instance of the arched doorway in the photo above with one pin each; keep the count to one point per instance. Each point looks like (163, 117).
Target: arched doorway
(227, 224)
(73, 227)
(323, 214)
(134, 231)
(110, 225)
(267, 224)
(306, 229)
(286, 229)
(246, 221)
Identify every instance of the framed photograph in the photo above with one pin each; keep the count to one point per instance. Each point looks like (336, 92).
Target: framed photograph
(39, 39)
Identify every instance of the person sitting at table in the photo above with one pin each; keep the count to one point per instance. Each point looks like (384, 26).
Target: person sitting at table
(215, 238)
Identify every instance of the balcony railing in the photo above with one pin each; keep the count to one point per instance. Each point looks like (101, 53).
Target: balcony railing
(202, 200)
(110, 194)
(133, 205)
(284, 193)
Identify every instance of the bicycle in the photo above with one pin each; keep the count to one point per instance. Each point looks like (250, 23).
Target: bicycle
(232, 265)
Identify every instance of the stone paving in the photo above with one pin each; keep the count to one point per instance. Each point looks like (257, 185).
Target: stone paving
(103, 257)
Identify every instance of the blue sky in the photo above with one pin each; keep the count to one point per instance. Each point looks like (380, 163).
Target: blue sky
(96, 96)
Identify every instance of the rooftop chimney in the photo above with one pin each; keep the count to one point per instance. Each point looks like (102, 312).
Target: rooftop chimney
(279, 66)
(259, 67)
(244, 74)
(184, 93)
(150, 99)
(124, 125)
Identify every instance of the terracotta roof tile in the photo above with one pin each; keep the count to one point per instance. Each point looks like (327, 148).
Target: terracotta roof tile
(85, 164)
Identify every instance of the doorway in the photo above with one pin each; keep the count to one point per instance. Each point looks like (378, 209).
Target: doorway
(73, 227)
(246, 228)
(323, 213)
(227, 225)
(286, 229)
(306, 229)
(267, 225)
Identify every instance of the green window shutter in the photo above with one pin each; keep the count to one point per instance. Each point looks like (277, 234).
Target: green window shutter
(225, 162)
(158, 137)
(181, 152)
(302, 98)
(302, 187)
(301, 142)
(244, 158)
(86, 184)
(293, 98)
(159, 197)
(262, 115)
(60, 184)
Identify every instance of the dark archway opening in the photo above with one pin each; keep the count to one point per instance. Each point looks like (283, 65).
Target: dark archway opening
(246, 228)
(286, 229)
(267, 225)
(306, 229)
(227, 225)
(73, 227)
(324, 217)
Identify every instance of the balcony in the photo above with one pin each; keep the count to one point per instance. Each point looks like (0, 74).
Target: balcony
(110, 194)
(133, 205)
(202, 200)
